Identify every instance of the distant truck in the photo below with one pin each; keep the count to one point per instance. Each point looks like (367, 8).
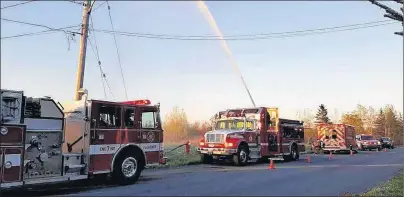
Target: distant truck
(368, 142)
(387, 142)
(250, 134)
(337, 137)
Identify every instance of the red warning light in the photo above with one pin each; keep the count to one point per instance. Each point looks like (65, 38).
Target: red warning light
(137, 102)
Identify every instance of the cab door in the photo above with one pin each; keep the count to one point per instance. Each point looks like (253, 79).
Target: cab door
(151, 133)
(131, 132)
(105, 135)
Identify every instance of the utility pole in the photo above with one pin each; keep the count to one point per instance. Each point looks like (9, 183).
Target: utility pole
(83, 49)
(392, 14)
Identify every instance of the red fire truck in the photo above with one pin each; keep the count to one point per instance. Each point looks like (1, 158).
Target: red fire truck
(43, 141)
(249, 134)
(337, 137)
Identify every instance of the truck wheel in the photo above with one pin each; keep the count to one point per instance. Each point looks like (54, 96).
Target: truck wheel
(241, 158)
(206, 159)
(127, 169)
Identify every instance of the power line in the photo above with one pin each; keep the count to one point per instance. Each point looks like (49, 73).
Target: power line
(103, 75)
(17, 4)
(117, 50)
(96, 53)
(39, 25)
(260, 34)
(254, 36)
(78, 3)
(98, 6)
(38, 32)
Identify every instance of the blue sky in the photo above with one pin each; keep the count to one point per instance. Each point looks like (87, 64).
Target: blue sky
(338, 69)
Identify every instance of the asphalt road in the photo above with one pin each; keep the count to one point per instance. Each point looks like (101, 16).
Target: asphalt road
(321, 177)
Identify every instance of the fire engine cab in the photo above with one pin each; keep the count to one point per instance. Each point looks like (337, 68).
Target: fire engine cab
(249, 134)
(43, 141)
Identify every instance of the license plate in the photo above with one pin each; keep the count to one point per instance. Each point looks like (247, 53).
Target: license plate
(211, 145)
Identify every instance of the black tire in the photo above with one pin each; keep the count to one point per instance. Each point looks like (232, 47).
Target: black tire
(294, 153)
(123, 172)
(379, 149)
(392, 147)
(241, 157)
(206, 159)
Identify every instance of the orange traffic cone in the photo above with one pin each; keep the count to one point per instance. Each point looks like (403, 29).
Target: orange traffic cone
(330, 157)
(271, 165)
(308, 159)
(351, 153)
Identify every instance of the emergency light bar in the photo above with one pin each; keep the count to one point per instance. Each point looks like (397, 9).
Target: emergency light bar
(137, 102)
(234, 114)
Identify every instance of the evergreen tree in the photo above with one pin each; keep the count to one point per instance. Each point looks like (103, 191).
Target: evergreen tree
(322, 115)
(380, 124)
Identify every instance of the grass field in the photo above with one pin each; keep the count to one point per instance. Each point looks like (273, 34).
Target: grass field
(393, 187)
(178, 157)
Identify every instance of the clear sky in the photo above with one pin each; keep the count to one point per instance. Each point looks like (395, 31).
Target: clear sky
(338, 69)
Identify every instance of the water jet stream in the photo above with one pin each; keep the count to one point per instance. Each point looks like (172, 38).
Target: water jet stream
(209, 17)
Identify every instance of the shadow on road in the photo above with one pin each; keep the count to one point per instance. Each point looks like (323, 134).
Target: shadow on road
(66, 188)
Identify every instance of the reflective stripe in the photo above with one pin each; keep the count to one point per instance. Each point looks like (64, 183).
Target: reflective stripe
(108, 149)
(104, 149)
(252, 144)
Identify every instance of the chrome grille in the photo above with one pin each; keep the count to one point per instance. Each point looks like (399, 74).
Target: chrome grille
(214, 138)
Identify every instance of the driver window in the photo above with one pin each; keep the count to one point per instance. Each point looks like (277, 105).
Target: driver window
(148, 120)
(129, 118)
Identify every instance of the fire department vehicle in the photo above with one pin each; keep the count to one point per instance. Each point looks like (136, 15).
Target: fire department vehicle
(43, 141)
(337, 137)
(250, 134)
(368, 142)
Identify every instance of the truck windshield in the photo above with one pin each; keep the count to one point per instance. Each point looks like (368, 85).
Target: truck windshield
(234, 124)
(367, 137)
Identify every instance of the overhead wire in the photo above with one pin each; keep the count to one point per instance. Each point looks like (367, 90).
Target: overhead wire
(98, 6)
(117, 49)
(40, 25)
(17, 4)
(39, 32)
(96, 53)
(254, 36)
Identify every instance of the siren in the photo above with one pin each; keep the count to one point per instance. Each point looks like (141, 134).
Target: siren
(137, 102)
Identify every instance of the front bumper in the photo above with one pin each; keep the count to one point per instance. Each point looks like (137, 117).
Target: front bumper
(371, 146)
(217, 151)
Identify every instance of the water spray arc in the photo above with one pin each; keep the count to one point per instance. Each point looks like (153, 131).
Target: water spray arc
(209, 17)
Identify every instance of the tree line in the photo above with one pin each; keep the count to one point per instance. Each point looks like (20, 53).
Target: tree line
(386, 121)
